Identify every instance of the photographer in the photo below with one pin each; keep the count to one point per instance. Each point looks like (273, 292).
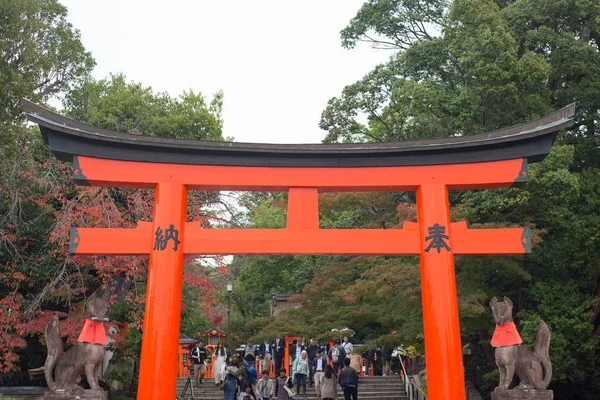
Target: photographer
(247, 393)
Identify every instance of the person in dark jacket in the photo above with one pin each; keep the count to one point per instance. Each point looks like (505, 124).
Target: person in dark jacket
(311, 349)
(297, 348)
(278, 346)
(318, 365)
(199, 356)
(348, 379)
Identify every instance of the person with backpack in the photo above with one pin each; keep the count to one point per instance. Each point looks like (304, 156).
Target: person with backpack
(230, 386)
(337, 356)
(252, 375)
(348, 379)
(301, 370)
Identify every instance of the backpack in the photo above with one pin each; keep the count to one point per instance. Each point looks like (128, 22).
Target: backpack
(251, 378)
(335, 355)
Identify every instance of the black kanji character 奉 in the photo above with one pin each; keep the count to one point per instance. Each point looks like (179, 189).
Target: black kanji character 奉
(437, 237)
(160, 240)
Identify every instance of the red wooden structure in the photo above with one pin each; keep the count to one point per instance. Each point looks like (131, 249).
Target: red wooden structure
(172, 167)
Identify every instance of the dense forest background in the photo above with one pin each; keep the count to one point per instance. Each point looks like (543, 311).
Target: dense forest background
(456, 68)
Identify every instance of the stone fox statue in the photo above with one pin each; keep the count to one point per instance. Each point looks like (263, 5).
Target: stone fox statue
(85, 356)
(533, 368)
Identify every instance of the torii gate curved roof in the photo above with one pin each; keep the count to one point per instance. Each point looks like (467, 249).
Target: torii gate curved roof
(67, 138)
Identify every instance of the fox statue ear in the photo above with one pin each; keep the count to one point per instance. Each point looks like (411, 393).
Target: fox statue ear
(493, 302)
(508, 302)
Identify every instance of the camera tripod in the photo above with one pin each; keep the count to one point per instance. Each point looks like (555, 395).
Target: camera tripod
(189, 383)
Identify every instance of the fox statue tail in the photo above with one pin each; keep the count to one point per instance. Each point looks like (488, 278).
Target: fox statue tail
(55, 350)
(542, 348)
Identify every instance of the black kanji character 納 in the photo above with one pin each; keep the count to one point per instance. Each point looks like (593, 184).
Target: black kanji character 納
(162, 238)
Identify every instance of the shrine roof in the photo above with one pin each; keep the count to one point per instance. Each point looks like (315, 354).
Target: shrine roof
(215, 329)
(67, 138)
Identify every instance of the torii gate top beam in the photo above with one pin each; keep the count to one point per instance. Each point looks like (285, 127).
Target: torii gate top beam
(68, 138)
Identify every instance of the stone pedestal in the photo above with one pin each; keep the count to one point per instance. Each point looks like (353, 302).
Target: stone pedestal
(76, 394)
(522, 394)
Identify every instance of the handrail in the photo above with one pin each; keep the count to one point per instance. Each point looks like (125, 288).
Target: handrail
(405, 374)
(408, 385)
(419, 391)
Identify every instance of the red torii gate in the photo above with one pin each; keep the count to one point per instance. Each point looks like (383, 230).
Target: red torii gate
(172, 167)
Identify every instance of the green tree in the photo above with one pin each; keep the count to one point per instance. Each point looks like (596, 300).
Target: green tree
(41, 54)
(469, 79)
(130, 107)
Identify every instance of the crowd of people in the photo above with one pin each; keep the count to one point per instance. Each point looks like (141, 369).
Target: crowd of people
(313, 363)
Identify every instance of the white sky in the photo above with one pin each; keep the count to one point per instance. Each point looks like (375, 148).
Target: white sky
(278, 62)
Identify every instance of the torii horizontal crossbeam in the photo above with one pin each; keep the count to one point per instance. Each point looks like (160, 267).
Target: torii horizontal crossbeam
(475, 242)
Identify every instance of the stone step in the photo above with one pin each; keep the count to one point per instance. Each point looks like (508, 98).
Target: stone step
(361, 396)
(370, 388)
(308, 392)
(199, 393)
(361, 385)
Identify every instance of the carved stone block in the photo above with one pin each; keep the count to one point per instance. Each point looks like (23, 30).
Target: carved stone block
(76, 394)
(522, 394)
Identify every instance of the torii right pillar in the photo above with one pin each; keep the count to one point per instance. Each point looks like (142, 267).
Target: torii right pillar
(438, 287)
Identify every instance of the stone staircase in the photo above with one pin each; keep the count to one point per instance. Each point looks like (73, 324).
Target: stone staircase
(369, 388)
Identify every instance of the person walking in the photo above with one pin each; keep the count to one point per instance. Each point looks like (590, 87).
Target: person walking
(264, 352)
(265, 387)
(387, 361)
(356, 362)
(198, 356)
(278, 346)
(250, 353)
(297, 348)
(231, 380)
(337, 356)
(281, 383)
(311, 349)
(368, 356)
(347, 346)
(319, 364)
(301, 370)
(328, 383)
(349, 381)
(219, 363)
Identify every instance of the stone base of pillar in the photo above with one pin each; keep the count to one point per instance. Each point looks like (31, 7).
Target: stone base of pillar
(522, 394)
(78, 394)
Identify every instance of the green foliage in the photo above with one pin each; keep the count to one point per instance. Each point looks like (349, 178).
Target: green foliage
(470, 79)
(40, 54)
(394, 24)
(566, 310)
(130, 107)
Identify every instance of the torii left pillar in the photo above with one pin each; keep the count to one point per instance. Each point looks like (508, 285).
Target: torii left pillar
(165, 277)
